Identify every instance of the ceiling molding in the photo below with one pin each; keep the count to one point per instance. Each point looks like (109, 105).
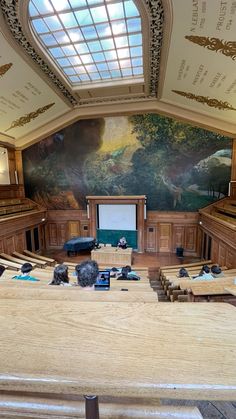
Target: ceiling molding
(10, 12)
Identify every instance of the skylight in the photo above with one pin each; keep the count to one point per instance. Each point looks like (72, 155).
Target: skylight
(90, 41)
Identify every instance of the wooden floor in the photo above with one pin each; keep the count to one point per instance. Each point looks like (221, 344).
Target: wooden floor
(208, 409)
(147, 259)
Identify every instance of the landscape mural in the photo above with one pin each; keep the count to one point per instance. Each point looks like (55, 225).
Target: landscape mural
(178, 166)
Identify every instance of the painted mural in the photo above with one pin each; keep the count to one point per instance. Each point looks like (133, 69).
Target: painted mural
(179, 167)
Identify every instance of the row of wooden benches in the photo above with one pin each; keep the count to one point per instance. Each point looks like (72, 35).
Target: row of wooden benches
(38, 406)
(186, 289)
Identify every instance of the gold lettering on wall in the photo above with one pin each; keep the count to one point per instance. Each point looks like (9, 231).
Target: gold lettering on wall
(4, 68)
(205, 100)
(29, 117)
(227, 48)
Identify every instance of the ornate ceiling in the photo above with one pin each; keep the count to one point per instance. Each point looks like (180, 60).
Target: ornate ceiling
(189, 72)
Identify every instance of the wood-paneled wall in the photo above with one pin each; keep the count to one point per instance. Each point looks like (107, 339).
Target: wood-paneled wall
(163, 232)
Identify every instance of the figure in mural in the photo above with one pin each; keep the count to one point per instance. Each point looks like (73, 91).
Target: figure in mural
(176, 191)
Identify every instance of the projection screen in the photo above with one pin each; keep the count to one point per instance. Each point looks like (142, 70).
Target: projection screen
(117, 217)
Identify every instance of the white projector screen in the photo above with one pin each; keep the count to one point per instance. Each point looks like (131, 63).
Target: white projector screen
(117, 217)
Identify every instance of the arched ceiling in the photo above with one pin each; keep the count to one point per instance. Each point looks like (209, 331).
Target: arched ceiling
(189, 72)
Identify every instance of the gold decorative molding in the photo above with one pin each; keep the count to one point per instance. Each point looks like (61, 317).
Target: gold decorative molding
(4, 68)
(23, 120)
(205, 100)
(227, 48)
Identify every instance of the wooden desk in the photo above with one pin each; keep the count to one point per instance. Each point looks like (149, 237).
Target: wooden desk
(112, 256)
(74, 294)
(231, 289)
(119, 349)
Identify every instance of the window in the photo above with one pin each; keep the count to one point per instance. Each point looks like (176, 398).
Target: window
(90, 41)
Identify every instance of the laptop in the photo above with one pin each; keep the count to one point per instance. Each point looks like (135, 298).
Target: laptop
(103, 281)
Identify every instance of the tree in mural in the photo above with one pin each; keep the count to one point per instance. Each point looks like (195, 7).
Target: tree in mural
(54, 168)
(169, 150)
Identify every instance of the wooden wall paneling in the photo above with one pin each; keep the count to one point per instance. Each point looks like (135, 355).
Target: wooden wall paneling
(73, 229)
(165, 237)
(215, 250)
(151, 238)
(9, 245)
(190, 244)
(19, 241)
(178, 236)
(62, 233)
(230, 258)
(84, 228)
(52, 234)
(57, 234)
(222, 254)
(2, 250)
(12, 165)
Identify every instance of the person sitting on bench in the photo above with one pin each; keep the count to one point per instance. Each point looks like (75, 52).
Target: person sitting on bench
(26, 268)
(60, 276)
(87, 273)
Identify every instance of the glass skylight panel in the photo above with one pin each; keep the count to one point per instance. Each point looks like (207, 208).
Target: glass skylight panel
(99, 14)
(75, 35)
(60, 5)
(69, 71)
(56, 52)
(40, 26)
(113, 65)
(84, 18)
(69, 50)
(102, 67)
(32, 10)
(48, 40)
(43, 6)
(74, 79)
(135, 40)
(107, 44)
(80, 70)
(89, 32)
(61, 37)
(121, 41)
(78, 3)
(103, 30)
(74, 60)
(86, 59)
(68, 20)
(136, 62)
(84, 77)
(53, 23)
(110, 55)
(115, 11)
(115, 73)
(82, 48)
(123, 53)
(130, 9)
(119, 27)
(98, 57)
(99, 39)
(64, 62)
(138, 70)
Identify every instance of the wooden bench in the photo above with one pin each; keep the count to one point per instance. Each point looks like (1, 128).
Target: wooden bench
(38, 407)
(37, 262)
(15, 259)
(50, 261)
(11, 265)
(73, 294)
(47, 351)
